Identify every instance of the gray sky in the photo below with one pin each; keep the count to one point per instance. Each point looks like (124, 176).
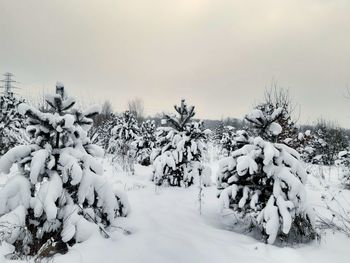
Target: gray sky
(219, 55)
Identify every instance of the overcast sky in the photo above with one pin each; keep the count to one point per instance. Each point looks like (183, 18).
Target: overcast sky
(219, 55)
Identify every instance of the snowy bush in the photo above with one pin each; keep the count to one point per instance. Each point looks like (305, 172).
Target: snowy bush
(320, 146)
(58, 195)
(306, 144)
(11, 123)
(329, 141)
(179, 149)
(263, 183)
(121, 146)
(344, 162)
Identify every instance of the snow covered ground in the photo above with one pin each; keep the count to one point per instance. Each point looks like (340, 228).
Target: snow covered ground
(166, 227)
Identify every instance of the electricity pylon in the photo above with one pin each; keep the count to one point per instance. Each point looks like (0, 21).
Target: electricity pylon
(8, 87)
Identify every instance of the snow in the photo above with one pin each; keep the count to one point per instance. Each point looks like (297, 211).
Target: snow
(283, 208)
(75, 191)
(246, 164)
(271, 218)
(11, 224)
(76, 226)
(275, 128)
(256, 115)
(177, 233)
(46, 198)
(206, 175)
(16, 192)
(37, 164)
(92, 110)
(13, 155)
(166, 227)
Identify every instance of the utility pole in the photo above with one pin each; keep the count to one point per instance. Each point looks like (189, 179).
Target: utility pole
(8, 87)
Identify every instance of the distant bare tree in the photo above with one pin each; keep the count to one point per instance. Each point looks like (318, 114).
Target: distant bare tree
(280, 97)
(136, 107)
(40, 102)
(276, 100)
(107, 108)
(104, 115)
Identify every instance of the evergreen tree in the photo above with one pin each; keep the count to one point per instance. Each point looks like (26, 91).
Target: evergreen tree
(101, 134)
(123, 134)
(217, 135)
(232, 140)
(59, 196)
(145, 142)
(227, 140)
(263, 183)
(179, 148)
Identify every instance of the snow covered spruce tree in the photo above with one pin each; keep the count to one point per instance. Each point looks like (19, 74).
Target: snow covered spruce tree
(232, 140)
(177, 157)
(263, 183)
(121, 146)
(226, 143)
(145, 142)
(217, 133)
(103, 123)
(101, 134)
(58, 197)
(11, 123)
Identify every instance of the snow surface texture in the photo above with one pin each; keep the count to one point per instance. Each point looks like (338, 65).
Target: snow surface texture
(177, 233)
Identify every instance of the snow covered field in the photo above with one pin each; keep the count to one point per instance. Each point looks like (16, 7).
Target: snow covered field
(166, 227)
